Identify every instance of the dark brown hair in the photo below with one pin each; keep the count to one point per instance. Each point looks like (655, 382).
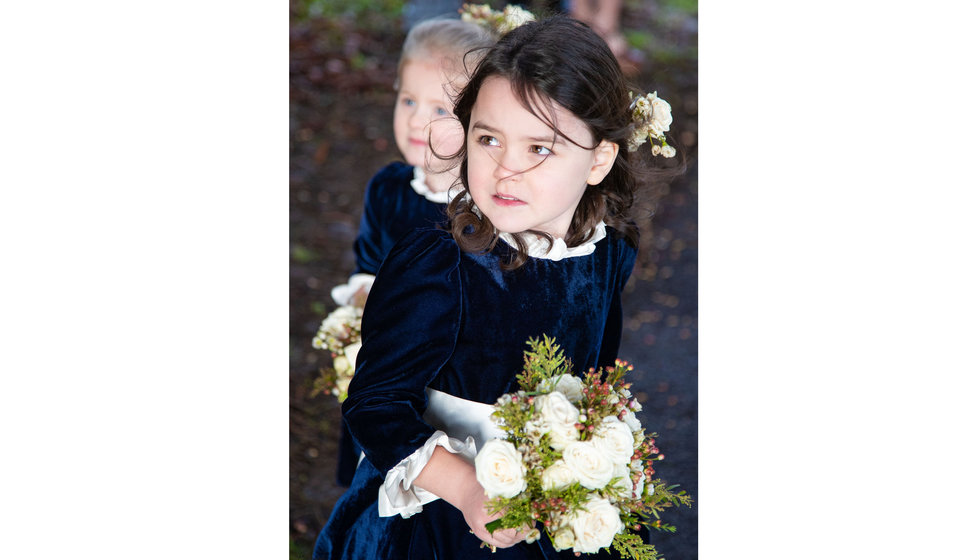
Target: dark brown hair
(562, 60)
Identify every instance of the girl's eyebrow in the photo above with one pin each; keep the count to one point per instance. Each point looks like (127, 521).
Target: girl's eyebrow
(558, 140)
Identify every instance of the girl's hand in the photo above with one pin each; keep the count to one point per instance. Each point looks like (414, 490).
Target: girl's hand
(474, 509)
(454, 479)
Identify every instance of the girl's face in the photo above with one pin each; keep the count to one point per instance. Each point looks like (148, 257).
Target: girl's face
(423, 109)
(517, 178)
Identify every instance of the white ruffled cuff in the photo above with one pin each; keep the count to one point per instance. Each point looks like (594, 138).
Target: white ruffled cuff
(397, 495)
(343, 293)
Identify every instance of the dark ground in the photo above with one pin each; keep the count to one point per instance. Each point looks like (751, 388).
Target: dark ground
(341, 70)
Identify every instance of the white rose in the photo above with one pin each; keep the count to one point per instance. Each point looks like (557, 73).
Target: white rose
(500, 470)
(624, 485)
(561, 435)
(668, 151)
(615, 439)
(655, 148)
(350, 352)
(555, 408)
(632, 421)
(336, 322)
(343, 383)
(591, 467)
(558, 475)
(341, 364)
(662, 118)
(571, 387)
(515, 16)
(596, 526)
(564, 538)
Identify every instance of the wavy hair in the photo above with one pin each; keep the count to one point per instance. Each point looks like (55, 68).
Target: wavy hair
(561, 60)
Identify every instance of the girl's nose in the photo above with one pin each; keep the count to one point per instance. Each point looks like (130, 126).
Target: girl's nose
(507, 167)
(417, 119)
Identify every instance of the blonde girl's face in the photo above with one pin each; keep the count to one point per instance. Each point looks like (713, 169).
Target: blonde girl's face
(423, 111)
(519, 177)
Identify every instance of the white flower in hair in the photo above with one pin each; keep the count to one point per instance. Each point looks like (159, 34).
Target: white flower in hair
(500, 23)
(651, 120)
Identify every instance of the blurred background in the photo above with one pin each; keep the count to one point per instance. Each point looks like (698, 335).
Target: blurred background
(343, 55)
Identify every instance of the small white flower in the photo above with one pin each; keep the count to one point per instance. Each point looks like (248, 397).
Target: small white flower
(595, 527)
(500, 469)
(341, 364)
(668, 151)
(558, 475)
(563, 538)
(623, 484)
(591, 467)
(515, 16)
(655, 148)
(630, 419)
(614, 439)
(343, 383)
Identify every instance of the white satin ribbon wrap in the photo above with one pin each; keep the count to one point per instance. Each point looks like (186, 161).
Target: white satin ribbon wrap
(343, 293)
(462, 427)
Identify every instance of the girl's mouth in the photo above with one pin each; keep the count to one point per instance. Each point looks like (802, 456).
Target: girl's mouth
(504, 200)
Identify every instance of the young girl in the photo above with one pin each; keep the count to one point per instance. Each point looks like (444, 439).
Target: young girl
(540, 243)
(405, 196)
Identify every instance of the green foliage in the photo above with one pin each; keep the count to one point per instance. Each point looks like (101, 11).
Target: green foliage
(297, 551)
(318, 308)
(304, 255)
(544, 360)
(687, 6)
(630, 545)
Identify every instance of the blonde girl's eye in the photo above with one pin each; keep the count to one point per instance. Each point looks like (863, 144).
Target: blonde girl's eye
(408, 102)
(541, 150)
(442, 112)
(488, 141)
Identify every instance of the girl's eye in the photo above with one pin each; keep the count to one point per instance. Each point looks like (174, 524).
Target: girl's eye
(408, 102)
(540, 150)
(488, 141)
(442, 112)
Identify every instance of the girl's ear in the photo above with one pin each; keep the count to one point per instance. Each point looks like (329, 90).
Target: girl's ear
(605, 157)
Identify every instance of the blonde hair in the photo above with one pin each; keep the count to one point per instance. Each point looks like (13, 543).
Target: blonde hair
(460, 44)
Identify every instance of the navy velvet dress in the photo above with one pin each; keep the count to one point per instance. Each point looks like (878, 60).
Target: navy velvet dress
(392, 208)
(454, 321)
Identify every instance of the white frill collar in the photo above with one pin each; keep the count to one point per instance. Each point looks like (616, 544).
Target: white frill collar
(537, 247)
(419, 186)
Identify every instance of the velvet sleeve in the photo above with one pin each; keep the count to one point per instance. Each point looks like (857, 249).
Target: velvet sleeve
(408, 333)
(613, 332)
(369, 245)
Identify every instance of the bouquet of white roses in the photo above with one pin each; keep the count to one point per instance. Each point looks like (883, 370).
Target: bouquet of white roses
(340, 334)
(575, 459)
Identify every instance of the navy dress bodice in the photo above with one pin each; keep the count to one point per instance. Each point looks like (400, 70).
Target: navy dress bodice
(454, 321)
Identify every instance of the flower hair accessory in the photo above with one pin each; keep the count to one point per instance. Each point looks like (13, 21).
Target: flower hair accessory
(498, 23)
(651, 119)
